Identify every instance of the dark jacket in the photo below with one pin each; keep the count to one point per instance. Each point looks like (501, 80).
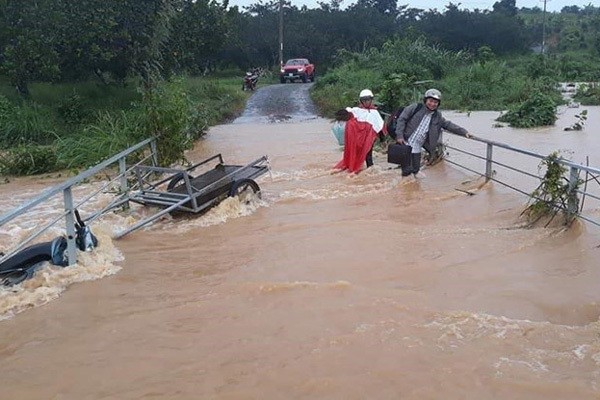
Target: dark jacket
(407, 125)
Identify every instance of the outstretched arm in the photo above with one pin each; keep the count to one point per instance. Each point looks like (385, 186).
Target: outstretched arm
(453, 128)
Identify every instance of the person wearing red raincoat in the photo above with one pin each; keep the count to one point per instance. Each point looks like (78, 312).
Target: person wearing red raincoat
(361, 130)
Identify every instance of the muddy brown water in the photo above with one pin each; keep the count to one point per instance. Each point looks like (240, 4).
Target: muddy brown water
(330, 286)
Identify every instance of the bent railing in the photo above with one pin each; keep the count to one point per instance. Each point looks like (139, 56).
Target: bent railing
(576, 204)
(70, 206)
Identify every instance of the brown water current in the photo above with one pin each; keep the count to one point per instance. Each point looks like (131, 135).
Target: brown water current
(330, 286)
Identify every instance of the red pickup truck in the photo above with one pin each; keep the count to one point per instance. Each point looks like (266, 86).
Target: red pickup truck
(297, 68)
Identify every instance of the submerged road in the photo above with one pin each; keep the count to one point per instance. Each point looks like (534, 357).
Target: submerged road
(277, 103)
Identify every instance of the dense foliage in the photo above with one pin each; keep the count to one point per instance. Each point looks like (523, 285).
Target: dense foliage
(110, 40)
(468, 82)
(101, 74)
(392, 71)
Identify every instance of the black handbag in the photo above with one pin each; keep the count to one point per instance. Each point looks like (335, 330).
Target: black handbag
(399, 154)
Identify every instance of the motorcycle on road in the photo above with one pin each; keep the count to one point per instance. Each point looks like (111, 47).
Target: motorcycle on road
(250, 81)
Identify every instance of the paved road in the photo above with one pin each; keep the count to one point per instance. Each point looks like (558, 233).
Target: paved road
(279, 103)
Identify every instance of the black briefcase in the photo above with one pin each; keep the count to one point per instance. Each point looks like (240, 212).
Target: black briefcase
(399, 154)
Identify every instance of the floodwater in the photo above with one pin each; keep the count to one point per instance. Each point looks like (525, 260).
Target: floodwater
(330, 286)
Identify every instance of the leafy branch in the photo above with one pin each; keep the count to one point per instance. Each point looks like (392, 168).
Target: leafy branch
(555, 194)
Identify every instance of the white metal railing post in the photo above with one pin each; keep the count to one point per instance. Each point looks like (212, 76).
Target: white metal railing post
(70, 226)
(573, 200)
(124, 185)
(488, 162)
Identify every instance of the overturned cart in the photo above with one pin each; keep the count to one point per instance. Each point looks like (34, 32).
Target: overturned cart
(180, 191)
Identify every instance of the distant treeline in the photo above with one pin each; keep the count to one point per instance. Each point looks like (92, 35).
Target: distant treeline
(111, 40)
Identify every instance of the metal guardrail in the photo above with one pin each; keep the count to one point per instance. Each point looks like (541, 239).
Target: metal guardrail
(69, 206)
(574, 206)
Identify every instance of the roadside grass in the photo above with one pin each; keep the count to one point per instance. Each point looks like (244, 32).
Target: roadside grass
(219, 99)
(93, 143)
(77, 125)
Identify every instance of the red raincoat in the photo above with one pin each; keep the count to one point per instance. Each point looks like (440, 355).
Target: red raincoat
(358, 140)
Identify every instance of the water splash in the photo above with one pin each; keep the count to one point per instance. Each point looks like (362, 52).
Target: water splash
(49, 282)
(230, 208)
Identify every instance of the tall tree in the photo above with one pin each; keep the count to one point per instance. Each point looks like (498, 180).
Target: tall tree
(506, 7)
(146, 26)
(200, 31)
(457, 29)
(382, 6)
(90, 38)
(29, 52)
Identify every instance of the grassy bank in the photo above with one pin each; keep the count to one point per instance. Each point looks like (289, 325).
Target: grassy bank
(401, 71)
(80, 124)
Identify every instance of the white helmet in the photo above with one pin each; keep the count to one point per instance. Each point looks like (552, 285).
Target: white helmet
(365, 94)
(434, 94)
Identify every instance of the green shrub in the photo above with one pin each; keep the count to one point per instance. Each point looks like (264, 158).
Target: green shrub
(538, 110)
(486, 84)
(215, 100)
(340, 88)
(588, 95)
(168, 113)
(396, 92)
(390, 72)
(227, 101)
(28, 160)
(541, 66)
(72, 109)
(415, 58)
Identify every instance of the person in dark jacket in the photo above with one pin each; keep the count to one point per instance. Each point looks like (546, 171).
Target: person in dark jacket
(420, 126)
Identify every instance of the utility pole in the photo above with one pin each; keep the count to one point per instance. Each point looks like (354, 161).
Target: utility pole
(544, 28)
(280, 33)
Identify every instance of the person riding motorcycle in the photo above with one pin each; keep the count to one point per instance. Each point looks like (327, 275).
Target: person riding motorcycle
(250, 80)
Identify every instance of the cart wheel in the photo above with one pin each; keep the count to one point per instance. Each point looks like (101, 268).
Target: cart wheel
(178, 178)
(243, 187)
